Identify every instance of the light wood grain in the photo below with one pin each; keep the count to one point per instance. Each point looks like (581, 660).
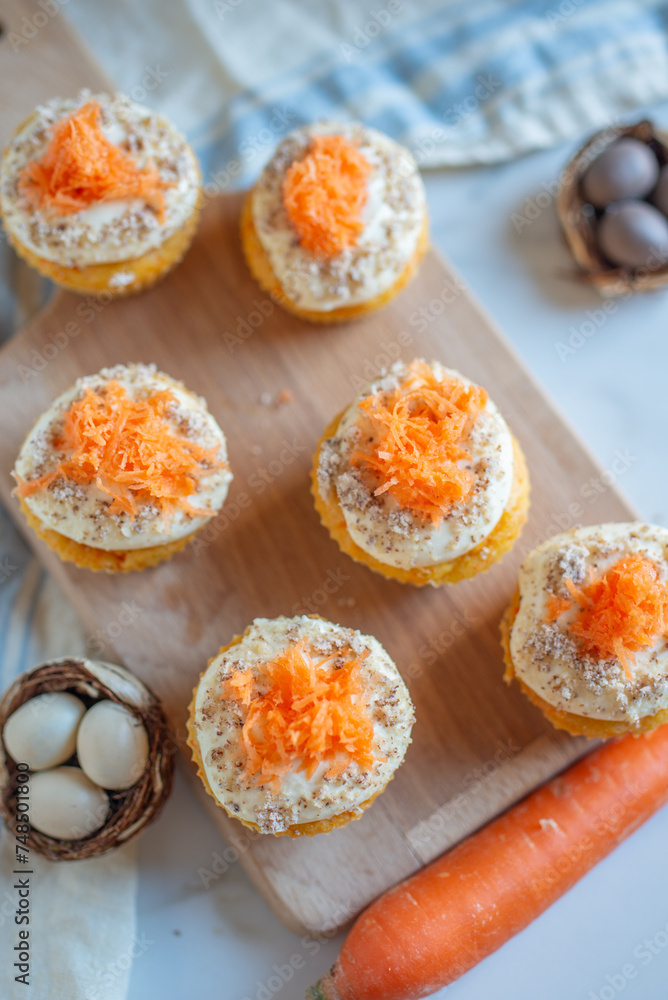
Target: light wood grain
(478, 745)
(266, 554)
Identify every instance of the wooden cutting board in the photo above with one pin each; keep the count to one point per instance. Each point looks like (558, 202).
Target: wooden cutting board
(478, 745)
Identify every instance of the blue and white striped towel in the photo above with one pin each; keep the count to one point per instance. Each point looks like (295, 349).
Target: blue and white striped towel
(459, 81)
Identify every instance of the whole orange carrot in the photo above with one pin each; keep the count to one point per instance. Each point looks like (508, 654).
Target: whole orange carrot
(435, 926)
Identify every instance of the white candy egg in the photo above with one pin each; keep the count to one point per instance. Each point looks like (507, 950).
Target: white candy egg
(112, 746)
(43, 731)
(65, 804)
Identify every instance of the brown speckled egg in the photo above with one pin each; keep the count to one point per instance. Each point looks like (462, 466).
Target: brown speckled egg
(633, 234)
(660, 192)
(626, 169)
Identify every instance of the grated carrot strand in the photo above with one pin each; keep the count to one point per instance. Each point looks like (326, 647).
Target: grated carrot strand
(126, 448)
(81, 167)
(302, 713)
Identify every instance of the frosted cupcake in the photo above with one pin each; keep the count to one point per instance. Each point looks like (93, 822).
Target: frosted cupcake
(122, 470)
(336, 225)
(99, 194)
(420, 477)
(586, 634)
(298, 724)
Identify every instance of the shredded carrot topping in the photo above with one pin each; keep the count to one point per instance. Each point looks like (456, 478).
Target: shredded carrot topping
(324, 194)
(623, 611)
(81, 167)
(303, 712)
(421, 430)
(556, 607)
(127, 449)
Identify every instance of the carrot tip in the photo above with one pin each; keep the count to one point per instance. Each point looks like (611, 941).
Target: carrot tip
(321, 990)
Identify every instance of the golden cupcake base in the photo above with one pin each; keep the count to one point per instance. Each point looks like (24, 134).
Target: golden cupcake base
(310, 829)
(485, 554)
(98, 279)
(576, 725)
(103, 560)
(260, 267)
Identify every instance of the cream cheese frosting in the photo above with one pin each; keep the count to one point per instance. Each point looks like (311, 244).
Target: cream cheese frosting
(113, 231)
(395, 535)
(81, 511)
(547, 658)
(218, 721)
(393, 217)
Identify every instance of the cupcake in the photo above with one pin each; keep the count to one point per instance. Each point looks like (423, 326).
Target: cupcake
(586, 634)
(99, 194)
(122, 470)
(336, 225)
(298, 724)
(420, 478)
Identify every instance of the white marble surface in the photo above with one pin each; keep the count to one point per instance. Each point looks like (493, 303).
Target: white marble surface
(222, 942)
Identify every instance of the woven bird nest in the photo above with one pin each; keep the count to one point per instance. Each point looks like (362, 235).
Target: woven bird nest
(579, 219)
(131, 809)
